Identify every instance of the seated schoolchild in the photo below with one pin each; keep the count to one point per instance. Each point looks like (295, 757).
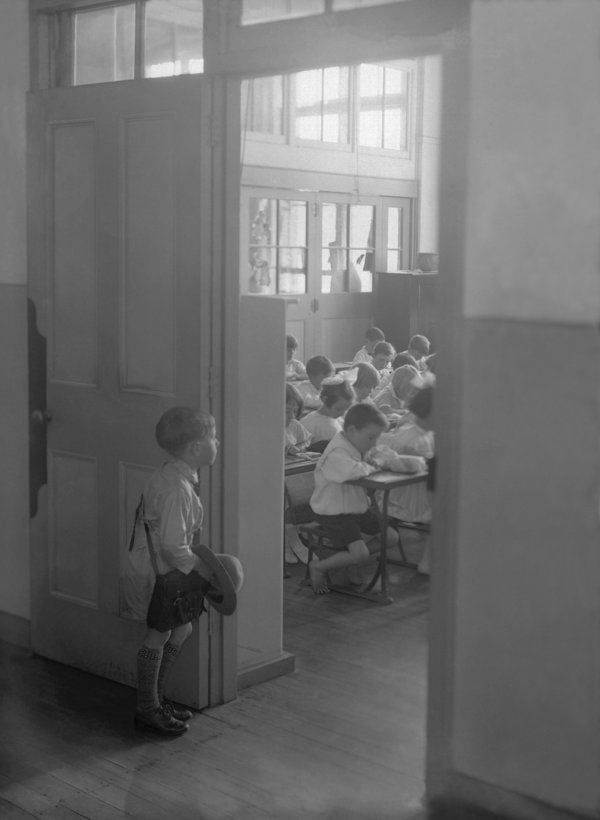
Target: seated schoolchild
(383, 353)
(294, 369)
(343, 509)
(398, 360)
(393, 398)
(296, 440)
(418, 348)
(317, 369)
(367, 379)
(296, 436)
(336, 397)
(413, 502)
(365, 354)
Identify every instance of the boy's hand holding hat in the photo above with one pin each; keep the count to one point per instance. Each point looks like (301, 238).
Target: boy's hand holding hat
(225, 574)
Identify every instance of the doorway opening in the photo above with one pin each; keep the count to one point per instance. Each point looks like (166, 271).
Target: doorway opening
(338, 210)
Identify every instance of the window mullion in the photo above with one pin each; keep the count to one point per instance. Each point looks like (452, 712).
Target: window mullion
(139, 42)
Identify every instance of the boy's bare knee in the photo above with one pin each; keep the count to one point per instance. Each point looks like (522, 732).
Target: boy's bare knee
(359, 552)
(180, 634)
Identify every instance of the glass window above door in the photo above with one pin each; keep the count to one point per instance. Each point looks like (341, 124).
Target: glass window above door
(264, 11)
(108, 42)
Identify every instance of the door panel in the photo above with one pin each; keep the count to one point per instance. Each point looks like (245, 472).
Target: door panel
(120, 275)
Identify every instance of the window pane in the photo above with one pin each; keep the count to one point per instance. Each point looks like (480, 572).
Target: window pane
(104, 45)
(369, 129)
(173, 39)
(394, 129)
(395, 251)
(262, 256)
(321, 104)
(262, 11)
(292, 240)
(362, 226)
(262, 105)
(342, 5)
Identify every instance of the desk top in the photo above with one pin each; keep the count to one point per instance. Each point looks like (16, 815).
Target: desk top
(387, 480)
(303, 463)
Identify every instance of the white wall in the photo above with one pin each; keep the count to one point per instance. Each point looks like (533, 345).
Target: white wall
(521, 666)
(14, 487)
(260, 482)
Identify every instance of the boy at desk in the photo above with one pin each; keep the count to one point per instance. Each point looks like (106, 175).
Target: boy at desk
(343, 509)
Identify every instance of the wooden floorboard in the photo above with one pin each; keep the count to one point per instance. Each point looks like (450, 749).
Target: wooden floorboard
(343, 736)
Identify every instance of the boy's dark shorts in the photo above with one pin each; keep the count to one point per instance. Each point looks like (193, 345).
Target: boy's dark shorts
(345, 528)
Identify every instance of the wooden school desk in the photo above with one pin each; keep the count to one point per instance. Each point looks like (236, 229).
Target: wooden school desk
(384, 481)
(294, 465)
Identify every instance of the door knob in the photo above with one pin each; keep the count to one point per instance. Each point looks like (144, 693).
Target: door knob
(41, 416)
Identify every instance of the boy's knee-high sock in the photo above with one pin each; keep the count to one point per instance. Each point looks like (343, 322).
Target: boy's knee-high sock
(170, 653)
(148, 666)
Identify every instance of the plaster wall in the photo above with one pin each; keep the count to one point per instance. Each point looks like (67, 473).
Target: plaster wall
(260, 481)
(14, 488)
(526, 658)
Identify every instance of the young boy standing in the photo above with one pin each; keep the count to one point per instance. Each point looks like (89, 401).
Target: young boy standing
(173, 513)
(341, 508)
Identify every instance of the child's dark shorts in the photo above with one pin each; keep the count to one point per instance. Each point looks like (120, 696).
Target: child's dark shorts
(345, 528)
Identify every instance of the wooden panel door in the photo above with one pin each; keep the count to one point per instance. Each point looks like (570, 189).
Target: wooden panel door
(120, 267)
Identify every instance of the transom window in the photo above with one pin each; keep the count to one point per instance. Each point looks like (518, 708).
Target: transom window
(125, 41)
(366, 106)
(264, 11)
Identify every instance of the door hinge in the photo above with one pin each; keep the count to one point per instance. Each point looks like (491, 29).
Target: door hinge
(315, 209)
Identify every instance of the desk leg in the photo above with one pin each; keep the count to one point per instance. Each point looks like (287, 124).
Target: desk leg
(381, 571)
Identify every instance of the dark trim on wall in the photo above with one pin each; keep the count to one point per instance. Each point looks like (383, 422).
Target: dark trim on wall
(15, 630)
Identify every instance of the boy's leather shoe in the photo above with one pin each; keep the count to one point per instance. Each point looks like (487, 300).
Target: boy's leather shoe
(178, 712)
(160, 720)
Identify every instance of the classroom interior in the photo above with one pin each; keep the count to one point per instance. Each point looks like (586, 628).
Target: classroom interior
(192, 220)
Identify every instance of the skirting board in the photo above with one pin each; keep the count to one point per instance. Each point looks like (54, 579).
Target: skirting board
(459, 797)
(265, 671)
(15, 629)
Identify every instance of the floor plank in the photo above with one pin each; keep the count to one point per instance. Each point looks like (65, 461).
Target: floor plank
(341, 737)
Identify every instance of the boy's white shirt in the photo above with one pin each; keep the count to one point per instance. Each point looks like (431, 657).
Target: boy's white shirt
(362, 355)
(340, 462)
(311, 395)
(174, 513)
(321, 427)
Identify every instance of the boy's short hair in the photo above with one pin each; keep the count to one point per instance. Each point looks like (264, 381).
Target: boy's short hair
(367, 375)
(319, 364)
(375, 334)
(330, 393)
(403, 358)
(362, 414)
(405, 380)
(291, 342)
(179, 426)
(383, 347)
(420, 344)
(421, 403)
(293, 396)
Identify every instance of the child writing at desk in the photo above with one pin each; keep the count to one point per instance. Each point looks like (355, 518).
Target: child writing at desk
(296, 436)
(336, 397)
(341, 508)
(317, 369)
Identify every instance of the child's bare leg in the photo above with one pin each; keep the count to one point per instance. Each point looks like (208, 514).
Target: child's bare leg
(355, 553)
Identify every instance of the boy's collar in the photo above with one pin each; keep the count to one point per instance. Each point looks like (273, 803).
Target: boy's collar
(185, 469)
